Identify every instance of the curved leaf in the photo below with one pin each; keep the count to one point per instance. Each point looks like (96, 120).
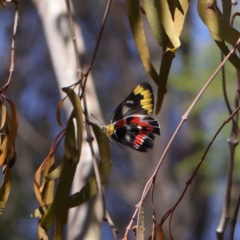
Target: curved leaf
(134, 15)
(5, 189)
(167, 22)
(219, 27)
(3, 113)
(180, 12)
(154, 22)
(77, 111)
(13, 126)
(105, 165)
(58, 113)
(39, 212)
(70, 161)
(55, 173)
(44, 167)
(164, 72)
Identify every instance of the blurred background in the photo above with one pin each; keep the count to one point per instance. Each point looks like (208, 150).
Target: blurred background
(116, 71)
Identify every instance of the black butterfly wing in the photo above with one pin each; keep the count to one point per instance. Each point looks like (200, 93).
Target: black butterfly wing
(140, 101)
(137, 132)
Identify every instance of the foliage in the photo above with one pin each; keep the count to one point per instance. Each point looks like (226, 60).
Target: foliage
(54, 179)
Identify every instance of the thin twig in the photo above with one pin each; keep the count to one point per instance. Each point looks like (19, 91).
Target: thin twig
(232, 145)
(153, 213)
(184, 118)
(226, 98)
(85, 75)
(11, 70)
(234, 220)
(189, 182)
(89, 135)
(224, 88)
(101, 31)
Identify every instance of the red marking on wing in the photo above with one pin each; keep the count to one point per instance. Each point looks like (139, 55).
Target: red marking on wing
(135, 120)
(138, 141)
(120, 123)
(138, 121)
(147, 125)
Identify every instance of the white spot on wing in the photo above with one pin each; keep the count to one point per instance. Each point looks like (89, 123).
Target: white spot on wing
(124, 110)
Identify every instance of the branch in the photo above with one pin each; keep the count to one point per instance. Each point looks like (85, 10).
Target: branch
(89, 135)
(234, 220)
(188, 183)
(184, 118)
(11, 69)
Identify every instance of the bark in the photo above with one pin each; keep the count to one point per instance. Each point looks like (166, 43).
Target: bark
(56, 28)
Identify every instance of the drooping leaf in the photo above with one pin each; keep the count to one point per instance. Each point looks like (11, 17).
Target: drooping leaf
(105, 165)
(166, 19)
(164, 73)
(58, 114)
(77, 111)
(13, 126)
(55, 173)
(219, 27)
(3, 114)
(70, 161)
(61, 219)
(38, 185)
(227, 8)
(154, 22)
(135, 20)
(72, 151)
(134, 16)
(48, 188)
(5, 189)
(39, 212)
(42, 235)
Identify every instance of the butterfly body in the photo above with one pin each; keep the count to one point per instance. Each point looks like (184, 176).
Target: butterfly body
(131, 123)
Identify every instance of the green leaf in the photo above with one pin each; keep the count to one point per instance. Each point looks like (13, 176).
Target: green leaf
(167, 21)
(105, 165)
(13, 126)
(164, 72)
(135, 20)
(219, 27)
(39, 212)
(70, 161)
(77, 112)
(154, 21)
(3, 116)
(55, 173)
(227, 8)
(180, 13)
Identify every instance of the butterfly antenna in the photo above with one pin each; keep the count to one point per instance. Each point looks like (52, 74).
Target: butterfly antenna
(97, 119)
(93, 123)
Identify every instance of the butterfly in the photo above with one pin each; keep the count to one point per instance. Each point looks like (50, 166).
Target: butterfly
(131, 123)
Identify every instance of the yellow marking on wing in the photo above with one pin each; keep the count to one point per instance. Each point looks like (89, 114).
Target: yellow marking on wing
(149, 95)
(138, 89)
(145, 100)
(109, 130)
(145, 92)
(147, 106)
(150, 112)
